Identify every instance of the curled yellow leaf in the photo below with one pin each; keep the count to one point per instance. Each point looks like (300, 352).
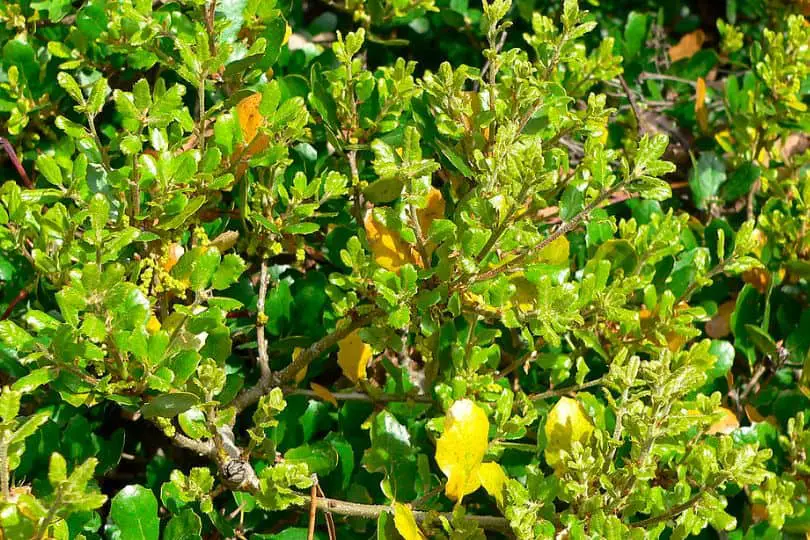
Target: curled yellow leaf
(566, 424)
(287, 34)
(405, 522)
(353, 356)
(461, 448)
(389, 249)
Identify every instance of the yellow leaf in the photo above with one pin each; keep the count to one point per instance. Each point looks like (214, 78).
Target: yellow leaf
(353, 355)
(556, 252)
(727, 423)
(525, 295)
(701, 112)
(287, 34)
(687, 46)
(389, 249)
(494, 480)
(405, 522)
(725, 140)
(323, 393)
(303, 371)
(461, 448)
(433, 210)
(566, 424)
(153, 325)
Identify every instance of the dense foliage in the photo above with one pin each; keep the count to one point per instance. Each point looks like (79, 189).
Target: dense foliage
(424, 269)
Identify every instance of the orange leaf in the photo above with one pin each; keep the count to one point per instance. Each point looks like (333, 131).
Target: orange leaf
(725, 424)
(687, 46)
(249, 118)
(701, 112)
(718, 327)
(323, 393)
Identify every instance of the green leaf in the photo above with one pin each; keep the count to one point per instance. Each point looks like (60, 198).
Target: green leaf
(134, 512)
(169, 405)
(50, 170)
(69, 84)
(635, 34)
(184, 526)
(708, 174)
(57, 470)
(228, 272)
(320, 457)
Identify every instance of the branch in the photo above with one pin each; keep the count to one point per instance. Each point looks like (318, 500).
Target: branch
(373, 511)
(567, 390)
(360, 396)
(251, 395)
(264, 360)
(563, 229)
(204, 448)
(671, 513)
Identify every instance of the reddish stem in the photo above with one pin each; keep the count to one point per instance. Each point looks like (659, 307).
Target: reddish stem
(12, 155)
(23, 294)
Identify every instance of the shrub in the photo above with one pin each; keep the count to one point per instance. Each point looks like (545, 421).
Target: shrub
(264, 277)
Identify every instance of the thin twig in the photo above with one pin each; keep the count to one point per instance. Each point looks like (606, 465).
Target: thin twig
(22, 295)
(564, 228)
(754, 380)
(566, 390)
(264, 360)
(12, 155)
(662, 77)
(330, 521)
(372, 511)
(671, 513)
(313, 507)
(360, 396)
(632, 101)
(251, 395)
